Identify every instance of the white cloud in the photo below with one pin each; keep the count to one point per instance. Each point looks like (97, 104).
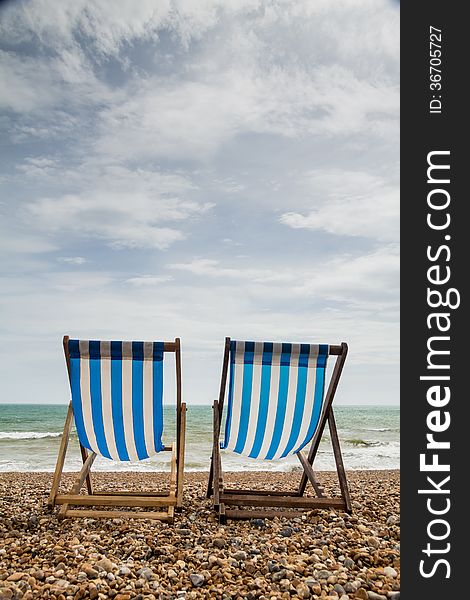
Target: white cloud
(107, 24)
(148, 280)
(125, 208)
(350, 203)
(38, 83)
(194, 118)
(73, 260)
(21, 242)
(367, 282)
(238, 79)
(211, 268)
(42, 166)
(130, 121)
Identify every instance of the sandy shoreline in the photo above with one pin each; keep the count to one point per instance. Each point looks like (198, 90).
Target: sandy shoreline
(320, 554)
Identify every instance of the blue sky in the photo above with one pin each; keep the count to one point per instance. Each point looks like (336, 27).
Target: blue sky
(199, 169)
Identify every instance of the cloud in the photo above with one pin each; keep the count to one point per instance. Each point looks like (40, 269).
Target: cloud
(213, 95)
(148, 280)
(109, 217)
(31, 84)
(110, 25)
(156, 120)
(40, 166)
(125, 208)
(73, 260)
(211, 268)
(196, 128)
(364, 282)
(350, 203)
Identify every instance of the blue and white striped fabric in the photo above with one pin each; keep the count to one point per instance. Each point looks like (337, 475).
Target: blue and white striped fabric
(275, 397)
(117, 397)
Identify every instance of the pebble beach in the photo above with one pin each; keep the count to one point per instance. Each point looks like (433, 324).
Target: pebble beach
(323, 554)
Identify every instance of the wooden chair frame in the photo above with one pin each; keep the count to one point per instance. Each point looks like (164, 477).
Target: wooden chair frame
(223, 497)
(170, 499)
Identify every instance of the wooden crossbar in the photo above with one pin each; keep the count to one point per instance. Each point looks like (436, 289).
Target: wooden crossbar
(114, 500)
(117, 514)
(261, 514)
(233, 491)
(131, 493)
(286, 501)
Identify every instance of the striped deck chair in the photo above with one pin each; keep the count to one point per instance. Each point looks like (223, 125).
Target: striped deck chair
(276, 406)
(117, 406)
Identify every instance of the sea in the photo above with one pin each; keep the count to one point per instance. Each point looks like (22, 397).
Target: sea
(30, 437)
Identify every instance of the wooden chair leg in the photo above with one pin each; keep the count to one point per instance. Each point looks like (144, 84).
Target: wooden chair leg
(78, 483)
(61, 457)
(216, 457)
(343, 482)
(310, 474)
(220, 488)
(215, 442)
(219, 408)
(84, 453)
(210, 487)
(181, 447)
(173, 483)
(329, 397)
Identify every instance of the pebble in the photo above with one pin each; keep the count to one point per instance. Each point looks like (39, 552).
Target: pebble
(339, 589)
(259, 523)
(323, 574)
(105, 565)
(375, 596)
(146, 573)
(390, 572)
(89, 571)
(321, 554)
(303, 591)
(197, 580)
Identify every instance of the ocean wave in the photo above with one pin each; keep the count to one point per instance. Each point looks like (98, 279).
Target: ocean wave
(27, 435)
(381, 429)
(360, 442)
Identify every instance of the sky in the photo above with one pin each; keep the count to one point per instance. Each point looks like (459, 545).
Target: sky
(199, 169)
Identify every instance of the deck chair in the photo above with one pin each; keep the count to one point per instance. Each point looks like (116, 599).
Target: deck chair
(117, 406)
(276, 406)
